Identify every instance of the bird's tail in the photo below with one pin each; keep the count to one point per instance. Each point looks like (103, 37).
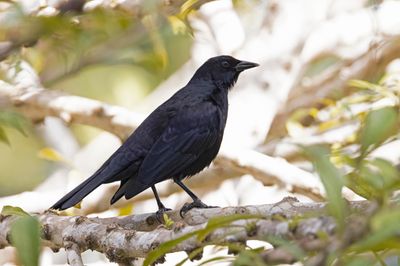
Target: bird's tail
(129, 188)
(78, 193)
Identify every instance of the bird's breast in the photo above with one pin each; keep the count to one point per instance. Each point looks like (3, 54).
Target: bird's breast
(220, 100)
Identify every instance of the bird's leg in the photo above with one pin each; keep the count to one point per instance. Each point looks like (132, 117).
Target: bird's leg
(161, 207)
(197, 203)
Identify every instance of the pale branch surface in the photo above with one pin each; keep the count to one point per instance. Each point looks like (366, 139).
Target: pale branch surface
(25, 93)
(73, 254)
(6, 48)
(268, 170)
(130, 237)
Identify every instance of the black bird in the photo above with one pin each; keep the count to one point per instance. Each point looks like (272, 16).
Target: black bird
(177, 140)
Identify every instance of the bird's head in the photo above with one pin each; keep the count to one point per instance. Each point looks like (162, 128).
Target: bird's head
(224, 70)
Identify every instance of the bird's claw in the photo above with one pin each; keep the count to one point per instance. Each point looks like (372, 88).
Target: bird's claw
(195, 204)
(160, 214)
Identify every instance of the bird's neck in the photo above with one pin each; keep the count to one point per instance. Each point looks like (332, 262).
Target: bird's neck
(225, 85)
(219, 97)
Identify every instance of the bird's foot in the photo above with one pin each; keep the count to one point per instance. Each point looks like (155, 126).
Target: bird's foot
(195, 204)
(160, 214)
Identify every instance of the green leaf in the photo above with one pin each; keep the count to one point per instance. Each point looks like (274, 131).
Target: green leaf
(291, 247)
(359, 261)
(25, 236)
(248, 257)
(191, 256)
(387, 171)
(378, 126)
(332, 180)
(13, 120)
(385, 231)
(10, 210)
(165, 248)
(371, 177)
(168, 222)
(3, 136)
(377, 177)
(189, 6)
(219, 259)
(361, 186)
(178, 25)
(362, 84)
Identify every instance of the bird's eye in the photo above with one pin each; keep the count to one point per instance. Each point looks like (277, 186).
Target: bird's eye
(225, 64)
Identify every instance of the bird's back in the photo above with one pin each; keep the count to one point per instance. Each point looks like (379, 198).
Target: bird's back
(189, 140)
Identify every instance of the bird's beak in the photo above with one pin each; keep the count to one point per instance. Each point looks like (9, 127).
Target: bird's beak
(243, 65)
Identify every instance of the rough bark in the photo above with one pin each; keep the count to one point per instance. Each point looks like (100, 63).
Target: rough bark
(125, 238)
(73, 254)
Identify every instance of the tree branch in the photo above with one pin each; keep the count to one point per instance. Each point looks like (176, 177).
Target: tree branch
(73, 254)
(268, 170)
(26, 94)
(130, 237)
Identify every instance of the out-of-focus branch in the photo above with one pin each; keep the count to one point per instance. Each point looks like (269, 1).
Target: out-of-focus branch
(122, 242)
(268, 170)
(6, 48)
(26, 94)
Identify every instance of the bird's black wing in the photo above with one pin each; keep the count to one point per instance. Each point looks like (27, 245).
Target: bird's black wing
(123, 164)
(189, 134)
